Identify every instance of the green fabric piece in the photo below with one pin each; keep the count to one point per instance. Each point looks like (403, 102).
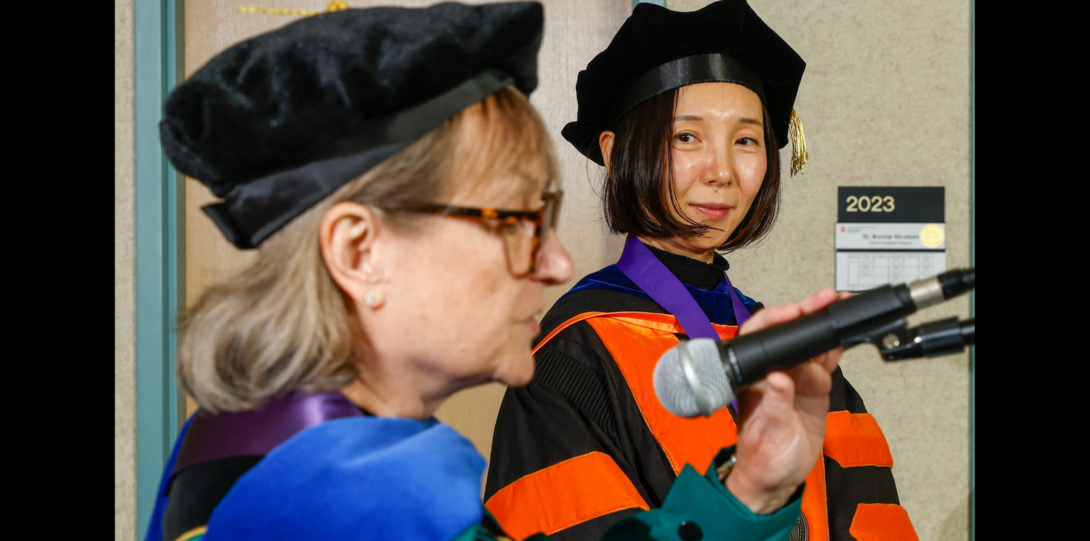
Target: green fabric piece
(473, 533)
(692, 498)
(705, 501)
(478, 532)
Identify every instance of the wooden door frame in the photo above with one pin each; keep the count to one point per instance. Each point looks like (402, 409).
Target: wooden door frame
(160, 246)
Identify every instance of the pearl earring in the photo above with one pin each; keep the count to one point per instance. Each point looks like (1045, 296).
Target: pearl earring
(370, 298)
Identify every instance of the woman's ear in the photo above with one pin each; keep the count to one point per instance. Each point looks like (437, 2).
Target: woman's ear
(347, 237)
(605, 142)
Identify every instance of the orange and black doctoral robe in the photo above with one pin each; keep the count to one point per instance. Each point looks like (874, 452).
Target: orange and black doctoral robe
(586, 443)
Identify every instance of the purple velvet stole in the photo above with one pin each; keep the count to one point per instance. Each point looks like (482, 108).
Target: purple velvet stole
(646, 271)
(649, 274)
(206, 437)
(256, 432)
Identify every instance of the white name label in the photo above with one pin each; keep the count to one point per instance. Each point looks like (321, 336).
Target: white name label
(869, 255)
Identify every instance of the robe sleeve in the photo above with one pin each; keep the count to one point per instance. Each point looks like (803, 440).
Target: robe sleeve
(572, 456)
(563, 461)
(861, 492)
(696, 507)
(700, 507)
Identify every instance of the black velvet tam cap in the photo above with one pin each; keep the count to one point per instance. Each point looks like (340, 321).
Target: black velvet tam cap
(657, 50)
(278, 122)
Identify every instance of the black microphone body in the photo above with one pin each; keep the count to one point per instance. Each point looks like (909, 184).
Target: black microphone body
(844, 323)
(701, 375)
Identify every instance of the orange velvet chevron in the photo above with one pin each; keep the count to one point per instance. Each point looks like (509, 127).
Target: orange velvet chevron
(592, 485)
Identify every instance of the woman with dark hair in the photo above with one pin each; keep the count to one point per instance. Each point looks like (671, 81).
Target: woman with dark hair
(401, 193)
(687, 113)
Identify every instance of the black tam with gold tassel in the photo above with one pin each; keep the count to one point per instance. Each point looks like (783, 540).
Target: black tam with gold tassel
(657, 50)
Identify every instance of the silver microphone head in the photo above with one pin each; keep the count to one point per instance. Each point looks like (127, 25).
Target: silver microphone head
(689, 379)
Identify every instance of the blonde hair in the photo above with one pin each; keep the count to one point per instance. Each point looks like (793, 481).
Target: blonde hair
(282, 323)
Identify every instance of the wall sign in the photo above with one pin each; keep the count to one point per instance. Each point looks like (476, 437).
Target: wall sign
(889, 235)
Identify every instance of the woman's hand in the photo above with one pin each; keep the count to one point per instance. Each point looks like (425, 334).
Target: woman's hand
(782, 417)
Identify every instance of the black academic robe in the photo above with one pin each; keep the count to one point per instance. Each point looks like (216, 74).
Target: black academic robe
(579, 402)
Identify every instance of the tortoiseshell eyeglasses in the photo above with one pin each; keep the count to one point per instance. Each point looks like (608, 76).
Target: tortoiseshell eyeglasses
(522, 230)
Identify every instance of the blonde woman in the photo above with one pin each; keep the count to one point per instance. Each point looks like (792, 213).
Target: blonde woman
(401, 193)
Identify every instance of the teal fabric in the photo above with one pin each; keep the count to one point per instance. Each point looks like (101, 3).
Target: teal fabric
(692, 498)
(478, 533)
(473, 533)
(705, 501)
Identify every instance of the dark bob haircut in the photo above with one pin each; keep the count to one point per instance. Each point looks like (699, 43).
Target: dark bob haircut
(639, 184)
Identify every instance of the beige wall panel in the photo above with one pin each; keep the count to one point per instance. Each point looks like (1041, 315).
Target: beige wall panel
(124, 278)
(884, 102)
(210, 27)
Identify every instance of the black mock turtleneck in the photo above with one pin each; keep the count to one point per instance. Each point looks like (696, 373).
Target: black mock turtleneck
(692, 272)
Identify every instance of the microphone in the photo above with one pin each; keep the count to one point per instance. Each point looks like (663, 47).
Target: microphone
(699, 376)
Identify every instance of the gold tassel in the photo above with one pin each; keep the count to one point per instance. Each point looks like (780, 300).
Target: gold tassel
(335, 5)
(798, 144)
